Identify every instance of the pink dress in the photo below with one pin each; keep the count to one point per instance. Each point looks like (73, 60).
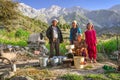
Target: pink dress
(90, 38)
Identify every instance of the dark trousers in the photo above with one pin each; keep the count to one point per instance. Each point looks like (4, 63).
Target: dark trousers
(54, 46)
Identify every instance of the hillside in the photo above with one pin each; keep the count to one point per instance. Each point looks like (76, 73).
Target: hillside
(15, 28)
(29, 24)
(12, 19)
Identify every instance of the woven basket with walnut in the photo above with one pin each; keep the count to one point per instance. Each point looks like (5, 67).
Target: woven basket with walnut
(80, 48)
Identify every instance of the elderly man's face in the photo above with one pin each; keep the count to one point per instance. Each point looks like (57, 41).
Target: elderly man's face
(54, 23)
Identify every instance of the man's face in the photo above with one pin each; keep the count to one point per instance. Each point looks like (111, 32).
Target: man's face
(54, 23)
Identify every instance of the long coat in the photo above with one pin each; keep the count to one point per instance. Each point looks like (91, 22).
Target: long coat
(49, 34)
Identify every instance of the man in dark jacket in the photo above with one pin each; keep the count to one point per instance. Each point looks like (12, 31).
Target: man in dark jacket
(54, 35)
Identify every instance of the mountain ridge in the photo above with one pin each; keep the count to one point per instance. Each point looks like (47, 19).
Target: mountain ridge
(100, 18)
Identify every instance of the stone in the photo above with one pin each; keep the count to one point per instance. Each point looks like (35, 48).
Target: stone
(6, 75)
(116, 53)
(21, 78)
(27, 48)
(10, 56)
(17, 47)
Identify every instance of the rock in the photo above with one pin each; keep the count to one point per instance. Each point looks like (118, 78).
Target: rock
(50, 78)
(33, 38)
(27, 48)
(31, 54)
(21, 78)
(17, 48)
(22, 49)
(10, 56)
(116, 53)
(6, 75)
(9, 46)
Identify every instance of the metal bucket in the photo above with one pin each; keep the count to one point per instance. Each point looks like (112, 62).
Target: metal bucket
(64, 58)
(43, 61)
(54, 61)
(60, 59)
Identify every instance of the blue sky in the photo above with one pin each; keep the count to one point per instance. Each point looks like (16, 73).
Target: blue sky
(88, 4)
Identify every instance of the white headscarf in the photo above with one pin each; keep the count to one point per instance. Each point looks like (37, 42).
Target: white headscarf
(74, 22)
(55, 20)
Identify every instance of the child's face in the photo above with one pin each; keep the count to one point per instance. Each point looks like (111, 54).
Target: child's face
(89, 27)
(74, 24)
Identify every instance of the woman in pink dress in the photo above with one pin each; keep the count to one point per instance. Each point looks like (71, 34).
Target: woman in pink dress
(90, 38)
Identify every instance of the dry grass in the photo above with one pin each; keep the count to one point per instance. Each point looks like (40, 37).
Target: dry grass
(34, 73)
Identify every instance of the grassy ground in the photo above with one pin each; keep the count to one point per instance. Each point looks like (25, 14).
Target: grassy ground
(108, 76)
(20, 37)
(37, 74)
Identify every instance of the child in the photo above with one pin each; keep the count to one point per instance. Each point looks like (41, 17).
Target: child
(74, 32)
(90, 38)
(81, 48)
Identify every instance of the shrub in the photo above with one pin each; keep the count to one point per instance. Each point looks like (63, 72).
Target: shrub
(21, 43)
(72, 77)
(14, 43)
(10, 35)
(109, 46)
(114, 76)
(20, 33)
(97, 77)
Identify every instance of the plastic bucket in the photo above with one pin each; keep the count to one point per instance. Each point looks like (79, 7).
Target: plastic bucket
(77, 62)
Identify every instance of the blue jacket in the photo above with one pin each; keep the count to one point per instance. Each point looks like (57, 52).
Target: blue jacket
(79, 32)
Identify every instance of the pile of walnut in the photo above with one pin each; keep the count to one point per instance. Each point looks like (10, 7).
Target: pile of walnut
(80, 47)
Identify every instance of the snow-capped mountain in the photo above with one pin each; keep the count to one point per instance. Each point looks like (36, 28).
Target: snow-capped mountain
(100, 18)
(115, 8)
(106, 18)
(54, 10)
(27, 10)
